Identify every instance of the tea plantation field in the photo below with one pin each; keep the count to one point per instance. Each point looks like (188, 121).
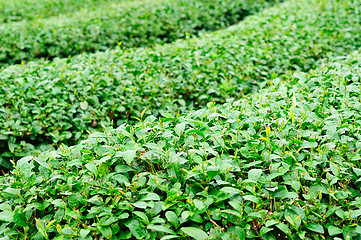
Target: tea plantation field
(251, 131)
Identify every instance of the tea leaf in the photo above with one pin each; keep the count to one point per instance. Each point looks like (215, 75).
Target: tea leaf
(195, 233)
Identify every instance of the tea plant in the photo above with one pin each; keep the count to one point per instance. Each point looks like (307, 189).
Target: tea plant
(49, 103)
(279, 164)
(133, 23)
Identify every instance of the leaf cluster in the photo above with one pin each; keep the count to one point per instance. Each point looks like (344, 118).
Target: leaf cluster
(281, 163)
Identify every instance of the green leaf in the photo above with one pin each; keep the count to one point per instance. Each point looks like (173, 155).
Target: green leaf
(172, 218)
(334, 169)
(281, 192)
(236, 205)
(357, 230)
(122, 169)
(84, 105)
(235, 213)
(108, 221)
(346, 232)
(151, 197)
(84, 233)
(169, 237)
(143, 216)
(124, 235)
(160, 228)
(106, 231)
(179, 128)
(136, 229)
(355, 213)
(92, 168)
(237, 233)
(315, 227)
(199, 204)
(40, 228)
(129, 156)
(76, 199)
(295, 185)
(67, 231)
(121, 179)
(42, 162)
(11, 192)
(195, 233)
(194, 131)
(6, 216)
(357, 171)
(284, 228)
(230, 190)
(251, 198)
(140, 204)
(19, 219)
(254, 174)
(264, 230)
(123, 216)
(271, 222)
(333, 231)
(341, 214)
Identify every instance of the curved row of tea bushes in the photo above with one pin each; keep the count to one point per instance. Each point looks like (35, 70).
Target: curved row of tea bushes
(132, 23)
(56, 102)
(17, 10)
(280, 164)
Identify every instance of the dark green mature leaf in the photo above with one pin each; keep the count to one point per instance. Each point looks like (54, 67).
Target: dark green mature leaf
(136, 229)
(19, 219)
(284, 228)
(237, 233)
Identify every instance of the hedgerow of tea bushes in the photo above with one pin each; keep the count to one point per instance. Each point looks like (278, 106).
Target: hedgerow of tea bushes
(134, 23)
(55, 102)
(17, 10)
(283, 163)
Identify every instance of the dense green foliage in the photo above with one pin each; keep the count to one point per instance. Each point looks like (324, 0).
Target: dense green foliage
(219, 137)
(282, 163)
(134, 23)
(54, 102)
(17, 10)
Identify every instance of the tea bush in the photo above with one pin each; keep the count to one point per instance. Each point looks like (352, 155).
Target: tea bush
(55, 102)
(134, 23)
(18, 10)
(282, 163)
